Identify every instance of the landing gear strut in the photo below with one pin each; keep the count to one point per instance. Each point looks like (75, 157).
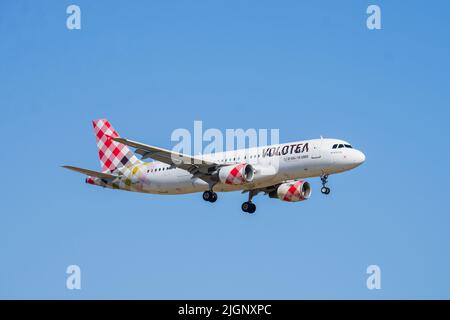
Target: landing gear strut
(249, 206)
(325, 189)
(210, 196)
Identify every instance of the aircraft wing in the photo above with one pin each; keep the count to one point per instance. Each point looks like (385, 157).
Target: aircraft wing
(196, 166)
(92, 173)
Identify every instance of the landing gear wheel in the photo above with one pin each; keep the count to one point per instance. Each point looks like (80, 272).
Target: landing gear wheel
(325, 190)
(210, 196)
(248, 207)
(213, 197)
(207, 195)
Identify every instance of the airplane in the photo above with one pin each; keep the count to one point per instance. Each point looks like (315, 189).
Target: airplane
(275, 170)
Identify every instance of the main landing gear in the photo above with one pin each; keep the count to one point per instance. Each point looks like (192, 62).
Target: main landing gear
(210, 196)
(249, 206)
(325, 189)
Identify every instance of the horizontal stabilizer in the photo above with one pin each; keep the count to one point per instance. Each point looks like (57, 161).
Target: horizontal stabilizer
(92, 173)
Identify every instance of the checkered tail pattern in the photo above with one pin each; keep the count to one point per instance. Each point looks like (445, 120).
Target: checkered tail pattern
(113, 155)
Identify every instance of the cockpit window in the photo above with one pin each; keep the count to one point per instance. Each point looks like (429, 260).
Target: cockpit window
(335, 146)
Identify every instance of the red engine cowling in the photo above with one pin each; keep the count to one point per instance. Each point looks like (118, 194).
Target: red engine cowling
(236, 174)
(292, 191)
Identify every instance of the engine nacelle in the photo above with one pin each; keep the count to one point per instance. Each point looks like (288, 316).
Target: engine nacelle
(292, 191)
(236, 174)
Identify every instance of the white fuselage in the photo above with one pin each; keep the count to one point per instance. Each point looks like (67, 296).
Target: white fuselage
(273, 165)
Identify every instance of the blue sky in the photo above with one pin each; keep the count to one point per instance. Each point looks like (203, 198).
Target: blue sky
(309, 68)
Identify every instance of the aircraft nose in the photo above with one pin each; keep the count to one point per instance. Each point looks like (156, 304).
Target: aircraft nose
(359, 157)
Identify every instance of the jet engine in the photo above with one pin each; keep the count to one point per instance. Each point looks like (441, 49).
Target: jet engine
(292, 191)
(236, 174)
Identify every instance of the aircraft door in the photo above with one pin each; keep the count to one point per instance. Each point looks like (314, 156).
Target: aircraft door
(321, 156)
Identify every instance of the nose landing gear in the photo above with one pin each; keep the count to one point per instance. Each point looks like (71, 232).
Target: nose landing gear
(325, 189)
